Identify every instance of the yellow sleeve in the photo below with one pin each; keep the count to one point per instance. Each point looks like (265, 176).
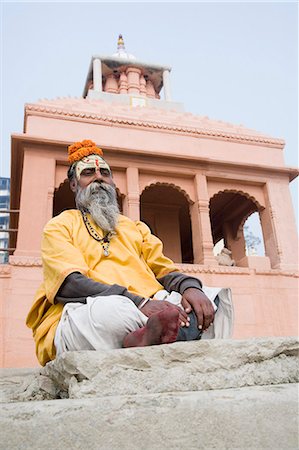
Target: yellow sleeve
(59, 256)
(152, 252)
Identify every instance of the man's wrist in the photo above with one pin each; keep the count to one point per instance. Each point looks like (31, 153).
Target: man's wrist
(190, 283)
(143, 303)
(192, 287)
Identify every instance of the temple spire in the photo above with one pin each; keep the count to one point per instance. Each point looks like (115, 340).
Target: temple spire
(120, 44)
(137, 82)
(121, 50)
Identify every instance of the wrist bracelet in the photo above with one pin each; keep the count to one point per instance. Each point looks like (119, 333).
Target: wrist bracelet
(144, 302)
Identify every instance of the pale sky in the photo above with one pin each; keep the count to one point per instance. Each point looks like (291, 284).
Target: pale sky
(236, 62)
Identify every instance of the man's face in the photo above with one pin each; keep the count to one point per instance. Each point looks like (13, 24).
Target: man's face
(90, 175)
(95, 191)
(91, 169)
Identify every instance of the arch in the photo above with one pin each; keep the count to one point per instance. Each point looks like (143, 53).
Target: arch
(229, 210)
(171, 185)
(245, 194)
(165, 209)
(231, 206)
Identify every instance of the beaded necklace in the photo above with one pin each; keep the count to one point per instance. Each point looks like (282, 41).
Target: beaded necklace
(105, 241)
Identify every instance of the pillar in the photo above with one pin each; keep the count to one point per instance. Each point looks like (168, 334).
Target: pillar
(132, 200)
(123, 83)
(279, 228)
(235, 243)
(111, 84)
(201, 226)
(142, 86)
(166, 84)
(97, 75)
(150, 90)
(133, 77)
(36, 203)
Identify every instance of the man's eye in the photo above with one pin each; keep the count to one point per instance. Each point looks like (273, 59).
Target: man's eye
(105, 172)
(87, 172)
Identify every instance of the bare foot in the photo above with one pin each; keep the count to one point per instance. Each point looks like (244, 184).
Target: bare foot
(161, 328)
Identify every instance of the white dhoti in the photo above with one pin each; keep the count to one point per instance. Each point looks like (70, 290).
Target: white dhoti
(103, 322)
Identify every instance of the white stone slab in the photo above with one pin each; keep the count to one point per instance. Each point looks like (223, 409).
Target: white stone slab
(259, 417)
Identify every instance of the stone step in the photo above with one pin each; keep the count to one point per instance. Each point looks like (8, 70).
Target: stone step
(258, 417)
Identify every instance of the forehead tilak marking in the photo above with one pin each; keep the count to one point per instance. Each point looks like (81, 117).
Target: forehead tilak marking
(89, 162)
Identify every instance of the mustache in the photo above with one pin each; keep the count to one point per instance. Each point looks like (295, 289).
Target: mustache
(98, 191)
(96, 186)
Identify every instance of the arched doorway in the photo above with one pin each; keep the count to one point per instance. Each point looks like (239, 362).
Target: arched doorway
(165, 209)
(228, 213)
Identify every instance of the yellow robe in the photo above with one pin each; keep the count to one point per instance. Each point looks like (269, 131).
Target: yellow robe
(135, 261)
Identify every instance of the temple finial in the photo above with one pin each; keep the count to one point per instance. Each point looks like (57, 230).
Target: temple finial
(121, 50)
(120, 43)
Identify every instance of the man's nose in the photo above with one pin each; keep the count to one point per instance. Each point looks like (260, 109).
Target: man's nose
(98, 175)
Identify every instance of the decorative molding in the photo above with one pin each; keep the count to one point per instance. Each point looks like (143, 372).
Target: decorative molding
(5, 271)
(26, 261)
(68, 112)
(233, 270)
(133, 199)
(51, 191)
(245, 194)
(198, 268)
(203, 206)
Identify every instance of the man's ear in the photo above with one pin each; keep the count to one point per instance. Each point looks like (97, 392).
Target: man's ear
(73, 185)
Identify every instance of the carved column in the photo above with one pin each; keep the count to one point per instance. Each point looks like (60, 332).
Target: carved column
(278, 225)
(132, 200)
(123, 83)
(235, 243)
(111, 84)
(201, 226)
(150, 90)
(97, 75)
(142, 86)
(36, 200)
(133, 76)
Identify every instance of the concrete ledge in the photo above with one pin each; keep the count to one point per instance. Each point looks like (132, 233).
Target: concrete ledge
(179, 367)
(183, 366)
(260, 417)
(221, 394)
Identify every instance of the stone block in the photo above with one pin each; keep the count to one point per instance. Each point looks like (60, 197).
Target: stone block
(221, 394)
(182, 366)
(257, 417)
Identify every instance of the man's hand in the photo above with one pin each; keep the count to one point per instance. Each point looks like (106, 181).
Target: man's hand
(155, 306)
(195, 299)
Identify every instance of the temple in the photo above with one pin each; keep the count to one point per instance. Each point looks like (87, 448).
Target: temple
(193, 180)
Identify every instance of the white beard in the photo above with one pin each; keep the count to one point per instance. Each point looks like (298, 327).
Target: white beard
(99, 199)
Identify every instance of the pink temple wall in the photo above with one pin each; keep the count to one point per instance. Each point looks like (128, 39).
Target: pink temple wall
(198, 167)
(265, 304)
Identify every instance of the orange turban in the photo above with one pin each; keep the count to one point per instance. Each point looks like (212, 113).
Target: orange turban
(78, 150)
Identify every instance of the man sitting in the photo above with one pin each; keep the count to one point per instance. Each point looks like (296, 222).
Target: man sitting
(104, 273)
